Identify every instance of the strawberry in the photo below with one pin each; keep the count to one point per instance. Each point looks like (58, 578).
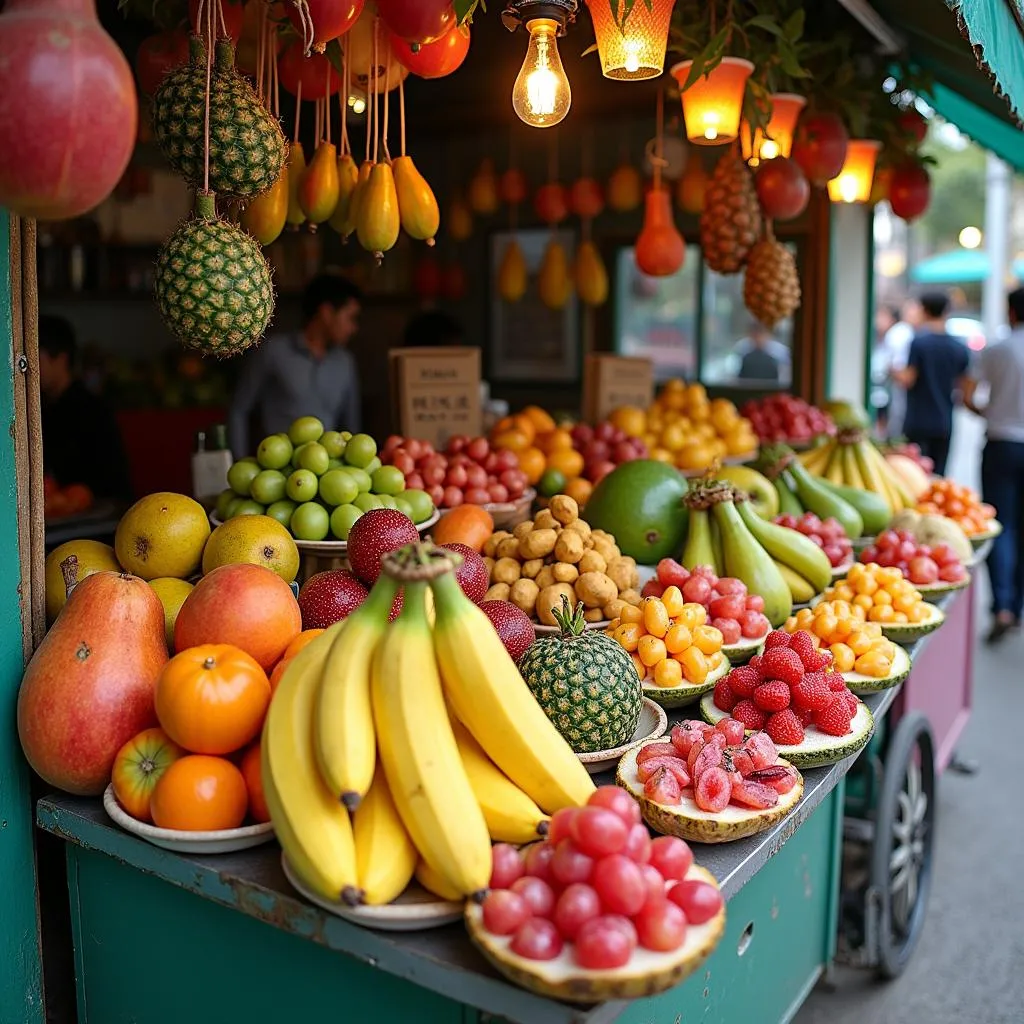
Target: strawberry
(742, 681)
(776, 638)
(747, 712)
(725, 699)
(782, 663)
(806, 717)
(822, 660)
(785, 729)
(835, 719)
(836, 683)
(772, 696)
(813, 657)
(852, 701)
(811, 693)
(755, 664)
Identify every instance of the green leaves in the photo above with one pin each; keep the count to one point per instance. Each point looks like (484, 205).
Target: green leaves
(465, 9)
(622, 9)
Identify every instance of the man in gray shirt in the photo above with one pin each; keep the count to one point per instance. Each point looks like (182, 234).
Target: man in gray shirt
(1001, 366)
(308, 373)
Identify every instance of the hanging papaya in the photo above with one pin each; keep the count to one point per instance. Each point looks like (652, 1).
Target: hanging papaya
(318, 190)
(512, 275)
(591, 276)
(377, 219)
(660, 249)
(296, 168)
(348, 178)
(417, 206)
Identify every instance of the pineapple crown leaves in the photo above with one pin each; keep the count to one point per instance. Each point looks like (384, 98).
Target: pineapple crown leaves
(570, 620)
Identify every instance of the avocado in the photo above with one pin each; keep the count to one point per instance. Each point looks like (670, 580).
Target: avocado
(641, 504)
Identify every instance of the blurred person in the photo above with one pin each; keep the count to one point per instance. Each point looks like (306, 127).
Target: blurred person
(1000, 366)
(432, 329)
(306, 373)
(886, 317)
(81, 439)
(896, 344)
(936, 365)
(761, 357)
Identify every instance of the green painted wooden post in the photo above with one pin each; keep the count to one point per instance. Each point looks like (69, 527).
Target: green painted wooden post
(21, 990)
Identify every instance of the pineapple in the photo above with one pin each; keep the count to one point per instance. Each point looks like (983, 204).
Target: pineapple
(586, 684)
(771, 288)
(213, 284)
(247, 147)
(730, 223)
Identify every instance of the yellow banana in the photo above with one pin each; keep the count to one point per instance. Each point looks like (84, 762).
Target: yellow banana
(814, 460)
(851, 469)
(421, 759)
(493, 701)
(346, 746)
(801, 589)
(898, 496)
(833, 472)
(435, 883)
(385, 855)
(312, 826)
(511, 816)
(871, 479)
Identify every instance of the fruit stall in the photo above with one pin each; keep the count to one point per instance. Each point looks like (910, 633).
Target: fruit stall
(570, 719)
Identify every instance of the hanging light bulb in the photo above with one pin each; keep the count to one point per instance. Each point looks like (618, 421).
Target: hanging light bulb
(853, 183)
(542, 95)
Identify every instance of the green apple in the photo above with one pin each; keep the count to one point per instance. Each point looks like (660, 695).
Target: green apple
(361, 450)
(404, 506)
(302, 485)
(310, 521)
(366, 501)
(305, 429)
(314, 457)
(338, 487)
(268, 486)
(274, 452)
(361, 477)
(335, 463)
(421, 504)
(342, 519)
(224, 499)
(334, 443)
(386, 501)
(248, 507)
(373, 465)
(388, 480)
(241, 476)
(231, 507)
(282, 511)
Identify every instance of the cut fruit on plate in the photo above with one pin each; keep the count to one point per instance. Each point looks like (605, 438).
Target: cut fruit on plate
(646, 974)
(414, 910)
(863, 685)
(841, 570)
(817, 748)
(908, 632)
(687, 821)
(688, 693)
(741, 653)
(977, 539)
(941, 587)
(653, 723)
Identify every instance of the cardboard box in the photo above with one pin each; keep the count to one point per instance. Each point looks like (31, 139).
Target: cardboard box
(610, 381)
(435, 392)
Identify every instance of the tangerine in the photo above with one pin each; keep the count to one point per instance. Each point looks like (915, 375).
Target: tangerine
(533, 463)
(467, 524)
(305, 637)
(568, 462)
(200, 793)
(258, 809)
(541, 419)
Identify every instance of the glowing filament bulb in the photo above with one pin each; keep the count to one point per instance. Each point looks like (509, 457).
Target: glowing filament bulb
(541, 95)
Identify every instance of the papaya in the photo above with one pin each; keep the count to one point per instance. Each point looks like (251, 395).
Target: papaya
(89, 686)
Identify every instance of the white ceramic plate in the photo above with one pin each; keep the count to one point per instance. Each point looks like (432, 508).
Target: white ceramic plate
(653, 723)
(414, 911)
(543, 630)
(229, 840)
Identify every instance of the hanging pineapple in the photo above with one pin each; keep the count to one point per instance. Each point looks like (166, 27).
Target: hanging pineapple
(771, 287)
(730, 222)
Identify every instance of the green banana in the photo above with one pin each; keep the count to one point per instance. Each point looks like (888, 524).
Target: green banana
(748, 561)
(801, 589)
(873, 507)
(699, 548)
(718, 564)
(789, 547)
(789, 503)
(817, 497)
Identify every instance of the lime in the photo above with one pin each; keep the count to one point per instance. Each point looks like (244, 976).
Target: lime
(248, 507)
(314, 457)
(338, 487)
(420, 502)
(366, 501)
(361, 477)
(231, 507)
(334, 443)
(342, 519)
(305, 429)
(282, 511)
(268, 486)
(551, 483)
(302, 485)
(361, 450)
(224, 499)
(310, 521)
(388, 480)
(274, 452)
(241, 476)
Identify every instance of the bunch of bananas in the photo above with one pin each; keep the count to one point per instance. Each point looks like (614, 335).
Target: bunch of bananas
(851, 460)
(398, 750)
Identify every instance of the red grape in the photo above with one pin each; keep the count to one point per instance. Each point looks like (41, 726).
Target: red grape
(601, 946)
(675, 765)
(952, 572)
(671, 573)
(638, 844)
(731, 585)
(712, 790)
(570, 864)
(561, 824)
(505, 912)
(755, 603)
(700, 901)
(620, 884)
(754, 624)
(538, 860)
(537, 939)
(538, 894)
(944, 554)
(652, 588)
(655, 750)
(616, 799)
(577, 905)
(696, 589)
(663, 788)
(661, 926)
(671, 856)
(598, 831)
(730, 606)
(654, 883)
(730, 630)
(506, 866)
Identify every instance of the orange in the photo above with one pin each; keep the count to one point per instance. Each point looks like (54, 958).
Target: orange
(629, 418)
(540, 418)
(138, 767)
(467, 524)
(515, 440)
(525, 425)
(533, 463)
(554, 441)
(200, 794)
(275, 676)
(299, 642)
(569, 463)
(579, 490)
(258, 809)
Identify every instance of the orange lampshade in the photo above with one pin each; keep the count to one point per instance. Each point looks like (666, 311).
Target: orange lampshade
(637, 51)
(713, 104)
(853, 183)
(777, 140)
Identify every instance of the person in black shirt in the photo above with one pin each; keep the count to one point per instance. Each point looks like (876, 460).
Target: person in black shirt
(936, 363)
(81, 440)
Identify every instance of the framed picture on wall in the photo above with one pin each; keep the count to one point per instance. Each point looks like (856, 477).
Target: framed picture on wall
(529, 341)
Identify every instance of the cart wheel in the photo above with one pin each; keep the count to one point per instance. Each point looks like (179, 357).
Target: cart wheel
(901, 858)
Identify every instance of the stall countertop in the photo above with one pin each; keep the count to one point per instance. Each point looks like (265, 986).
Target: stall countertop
(443, 959)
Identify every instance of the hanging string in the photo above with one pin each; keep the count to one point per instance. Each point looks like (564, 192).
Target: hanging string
(206, 110)
(261, 55)
(272, 57)
(327, 107)
(298, 111)
(343, 143)
(659, 161)
(387, 107)
(373, 86)
(401, 112)
(221, 18)
(308, 32)
(318, 127)
(370, 106)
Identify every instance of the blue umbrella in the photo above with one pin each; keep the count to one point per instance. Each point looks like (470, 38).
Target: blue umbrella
(958, 266)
